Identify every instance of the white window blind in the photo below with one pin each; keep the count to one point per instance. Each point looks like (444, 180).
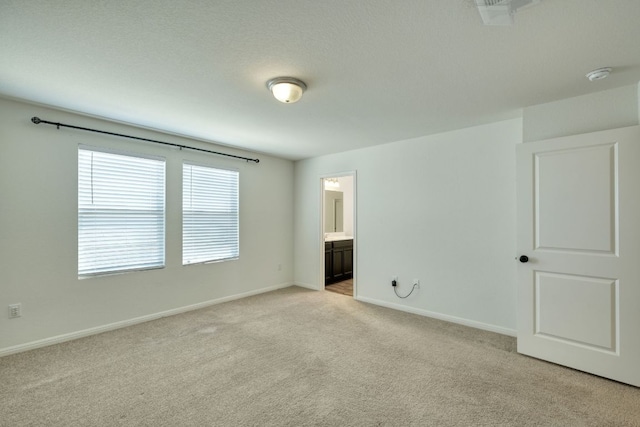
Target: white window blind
(210, 225)
(121, 212)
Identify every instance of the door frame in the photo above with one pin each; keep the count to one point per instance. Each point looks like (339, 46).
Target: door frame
(353, 175)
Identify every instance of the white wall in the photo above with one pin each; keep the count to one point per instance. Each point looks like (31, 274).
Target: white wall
(440, 209)
(38, 231)
(346, 186)
(610, 109)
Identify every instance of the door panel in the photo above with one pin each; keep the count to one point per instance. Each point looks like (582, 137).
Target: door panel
(348, 262)
(591, 322)
(562, 198)
(328, 266)
(578, 215)
(338, 264)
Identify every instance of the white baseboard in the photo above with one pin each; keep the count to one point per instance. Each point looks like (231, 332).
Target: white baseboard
(440, 316)
(306, 285)
(124, 323)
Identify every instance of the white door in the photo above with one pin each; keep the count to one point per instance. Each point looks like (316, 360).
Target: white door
(579, 226)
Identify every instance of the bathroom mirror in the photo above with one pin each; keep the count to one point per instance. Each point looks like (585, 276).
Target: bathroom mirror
(333, 211)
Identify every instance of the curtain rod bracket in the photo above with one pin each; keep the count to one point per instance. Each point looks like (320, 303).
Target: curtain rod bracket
(37, 120)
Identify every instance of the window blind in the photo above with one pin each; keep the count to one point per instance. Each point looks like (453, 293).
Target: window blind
(121, 212)
(210, 224)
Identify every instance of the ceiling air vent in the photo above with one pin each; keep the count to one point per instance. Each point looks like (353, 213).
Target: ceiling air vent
(500, 12)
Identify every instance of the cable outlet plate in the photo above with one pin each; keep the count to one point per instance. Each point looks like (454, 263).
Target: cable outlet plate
(416, 283)
(15, 310)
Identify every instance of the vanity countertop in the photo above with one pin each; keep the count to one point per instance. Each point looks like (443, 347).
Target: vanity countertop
(336, 238)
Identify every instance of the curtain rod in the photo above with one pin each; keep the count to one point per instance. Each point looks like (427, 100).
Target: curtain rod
(37, 120)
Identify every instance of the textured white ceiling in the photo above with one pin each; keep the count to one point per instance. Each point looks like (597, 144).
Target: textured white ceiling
(377, 70)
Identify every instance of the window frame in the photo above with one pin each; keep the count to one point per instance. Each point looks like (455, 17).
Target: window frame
(160, 213)
(234, 256)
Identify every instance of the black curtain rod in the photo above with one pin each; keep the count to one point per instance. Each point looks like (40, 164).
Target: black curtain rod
(37, 121)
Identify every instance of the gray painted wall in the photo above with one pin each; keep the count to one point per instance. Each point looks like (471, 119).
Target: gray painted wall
(440, 209)
(38, 231)
(604, 110)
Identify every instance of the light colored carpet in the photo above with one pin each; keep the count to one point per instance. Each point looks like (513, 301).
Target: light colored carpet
(295, 357)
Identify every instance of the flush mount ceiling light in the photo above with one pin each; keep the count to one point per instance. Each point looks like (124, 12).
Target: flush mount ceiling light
(599, 74)
(286, 89)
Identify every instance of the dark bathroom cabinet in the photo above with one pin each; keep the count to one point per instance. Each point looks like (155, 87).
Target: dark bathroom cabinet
(338, 261)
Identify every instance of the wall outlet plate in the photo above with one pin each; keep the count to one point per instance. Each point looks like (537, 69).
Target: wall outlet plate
(15, 310)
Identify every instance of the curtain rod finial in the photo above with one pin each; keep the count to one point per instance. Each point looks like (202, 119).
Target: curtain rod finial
(35, 120)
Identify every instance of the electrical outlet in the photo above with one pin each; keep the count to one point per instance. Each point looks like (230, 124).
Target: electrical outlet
(394, 280)
(15, 310)
(416, 283)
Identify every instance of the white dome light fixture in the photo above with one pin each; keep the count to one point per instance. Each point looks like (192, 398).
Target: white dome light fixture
(287, 89)
(599, 74)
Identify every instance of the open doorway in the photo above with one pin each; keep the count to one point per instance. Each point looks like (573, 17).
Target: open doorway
(339, 233)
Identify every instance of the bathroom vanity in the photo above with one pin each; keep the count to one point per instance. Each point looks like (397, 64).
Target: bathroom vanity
(338, 259)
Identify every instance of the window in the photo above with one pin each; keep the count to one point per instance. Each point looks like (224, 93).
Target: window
(121, 212)
(210, 226)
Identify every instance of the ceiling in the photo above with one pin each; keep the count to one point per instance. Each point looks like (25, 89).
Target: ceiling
(377, 71)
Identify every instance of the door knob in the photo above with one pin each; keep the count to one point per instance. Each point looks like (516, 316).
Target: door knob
(524, 258)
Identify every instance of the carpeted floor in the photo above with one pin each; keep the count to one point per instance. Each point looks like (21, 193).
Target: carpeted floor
(296, 357)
